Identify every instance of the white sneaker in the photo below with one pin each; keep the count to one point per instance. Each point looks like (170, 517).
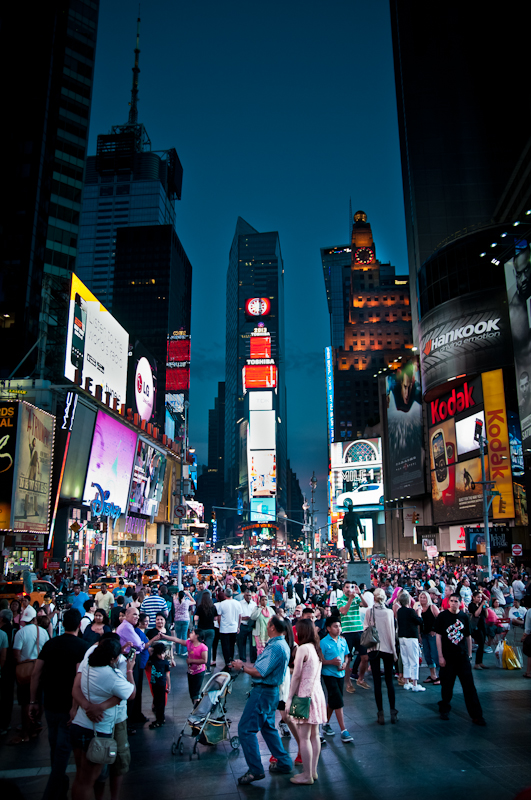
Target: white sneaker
(408, 686)
(418, 688)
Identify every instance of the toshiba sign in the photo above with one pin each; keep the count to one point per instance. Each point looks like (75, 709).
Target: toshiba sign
(464, 336)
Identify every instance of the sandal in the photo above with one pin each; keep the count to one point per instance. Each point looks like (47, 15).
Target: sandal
(429, 679)
(155, 725)
(19, 740)
(436, 683)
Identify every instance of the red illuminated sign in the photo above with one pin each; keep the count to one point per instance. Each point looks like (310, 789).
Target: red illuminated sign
(260, 346)
(177, 378)
(259, 376)
(257, 306)
(178, 350)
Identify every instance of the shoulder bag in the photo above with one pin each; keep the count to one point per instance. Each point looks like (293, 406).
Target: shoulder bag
(101, 750)
(370, 637)
(24, 671)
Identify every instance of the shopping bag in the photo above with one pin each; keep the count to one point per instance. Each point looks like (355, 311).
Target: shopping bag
(498, 654)
(509, 659)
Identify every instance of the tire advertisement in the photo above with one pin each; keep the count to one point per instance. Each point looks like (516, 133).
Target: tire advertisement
(468, 335)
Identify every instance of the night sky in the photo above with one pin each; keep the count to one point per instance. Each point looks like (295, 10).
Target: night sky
(280, 112)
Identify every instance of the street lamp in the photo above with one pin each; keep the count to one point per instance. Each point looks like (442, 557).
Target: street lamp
(313, 485)
(488, 491)
(305, 528)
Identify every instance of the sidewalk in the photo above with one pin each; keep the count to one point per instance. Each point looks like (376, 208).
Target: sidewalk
(421, 756)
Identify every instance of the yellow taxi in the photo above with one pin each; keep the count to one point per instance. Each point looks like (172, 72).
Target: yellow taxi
(111, 582)
(14, 590)
(151, 574)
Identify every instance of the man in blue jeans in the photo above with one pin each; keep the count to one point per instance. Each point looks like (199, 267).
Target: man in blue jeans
(259, 713)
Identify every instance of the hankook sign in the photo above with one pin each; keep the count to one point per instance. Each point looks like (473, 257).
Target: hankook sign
(470, 334)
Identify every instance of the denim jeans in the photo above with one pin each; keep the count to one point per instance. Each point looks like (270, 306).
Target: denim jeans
(60, 749)
(209, 638)
(181, 632)
(246, 634)
(259, 717)
(429, 646)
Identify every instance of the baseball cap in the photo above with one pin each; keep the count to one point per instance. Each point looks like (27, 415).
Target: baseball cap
(28, 614)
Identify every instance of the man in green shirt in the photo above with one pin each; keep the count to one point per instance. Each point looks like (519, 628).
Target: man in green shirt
(352, 627)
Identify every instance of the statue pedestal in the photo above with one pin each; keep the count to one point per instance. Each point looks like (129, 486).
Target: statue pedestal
(359, 572)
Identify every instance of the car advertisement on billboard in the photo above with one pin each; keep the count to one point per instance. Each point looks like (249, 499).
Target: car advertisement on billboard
(356, 473)
(33, 470)
(403, 411)
(518, 282)
(111, 462)
(8, 451)
(464, 336)
(96, 344)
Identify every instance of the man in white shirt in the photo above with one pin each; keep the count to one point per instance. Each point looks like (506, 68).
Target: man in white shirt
(229, 619)
(517, 614)
(28, 643)
(247, 606)
(518, 587)
(466, 592)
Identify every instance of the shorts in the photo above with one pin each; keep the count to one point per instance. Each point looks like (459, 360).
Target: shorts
(334, 688)
(123, 755)
(81, 737)
(353, 641)
(281, 705)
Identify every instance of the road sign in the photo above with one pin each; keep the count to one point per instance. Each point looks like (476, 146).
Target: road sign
(517, 549)
(180, 511)
(432, 552)
(75, 527)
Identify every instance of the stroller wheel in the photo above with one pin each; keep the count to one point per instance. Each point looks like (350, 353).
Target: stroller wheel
(174, 749)
(235, 743)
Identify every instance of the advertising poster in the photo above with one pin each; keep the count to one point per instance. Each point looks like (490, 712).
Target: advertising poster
(96, 344)
(263, 510)
(111, 461)
(520, 505)
(329, 367)
(263, 473)
(464, 336)
(148, 479)
(33, 469)
(356, 473)
(177, 363)
(404, 431)
(8, 449)
(142, 383)
(497, 435)
(518, 282)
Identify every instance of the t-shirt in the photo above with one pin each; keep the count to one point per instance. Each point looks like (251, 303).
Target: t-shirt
(159, 668)
(101, 683)
(334, 649)
(517, 613)
(78, 600)
(453, 629)
(26, 641)
(518, 589)
(104, 601)
(229, 611)
(119, 591)
(88, 619)
(61, 657)
(194, 651)
(351, 621)
(151, 605)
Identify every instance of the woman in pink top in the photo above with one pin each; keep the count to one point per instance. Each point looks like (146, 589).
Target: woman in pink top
(306, 682)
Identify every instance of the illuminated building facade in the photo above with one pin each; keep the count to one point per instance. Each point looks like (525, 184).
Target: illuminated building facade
(370, 326)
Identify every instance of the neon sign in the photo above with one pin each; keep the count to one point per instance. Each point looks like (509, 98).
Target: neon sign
(100, 506)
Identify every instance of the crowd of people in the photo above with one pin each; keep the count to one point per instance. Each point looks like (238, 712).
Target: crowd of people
(304, 640)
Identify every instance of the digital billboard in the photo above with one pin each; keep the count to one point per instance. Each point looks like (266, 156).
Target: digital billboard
(497, 435)
(33, 470)
(329, 369)
(148, 479)
(403, 412)
(262, 430)
(8, 450)
(465, 431)
(111, 461)
(75, 471)
(142, 383)
(518, 282)
(177, 363)
(356, 473)
(259, 376)
(263, 510)
(261, 401)
(464, 336)
(260, 346)
(96, 344)
(262, 473)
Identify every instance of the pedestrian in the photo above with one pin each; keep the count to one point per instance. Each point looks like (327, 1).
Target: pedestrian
(104, 599)
(7, 671)
(52, 680)
(349, 609)
(248, 608)
(429, 613)
(135, 714)
(261, 617)
(259, 712)
(454, 646)
(89, 607)
(95, 631)
(160, 683)
(306, 682)
(27, 645)
(409, 624)
(182, 603)
(383, 619)
(78, 599)
(477, 610)
(205, 617)
(152, 604)
(229, 618)
(197, 656)
(335, 652)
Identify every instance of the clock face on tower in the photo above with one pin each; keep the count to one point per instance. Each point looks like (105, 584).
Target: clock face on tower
(257, 306)
(364, 255)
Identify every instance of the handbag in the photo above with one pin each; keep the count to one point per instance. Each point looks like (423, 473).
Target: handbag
(370, 637)
(101, 750)
(300, 707)
(24, 671)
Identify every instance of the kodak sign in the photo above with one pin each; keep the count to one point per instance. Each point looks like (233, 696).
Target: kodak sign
(497, 435)
(458, 400)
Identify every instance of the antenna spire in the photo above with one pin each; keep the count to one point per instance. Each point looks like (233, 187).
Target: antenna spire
(133, 111)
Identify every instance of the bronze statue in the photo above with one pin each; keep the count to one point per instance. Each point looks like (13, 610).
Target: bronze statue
(350, 527)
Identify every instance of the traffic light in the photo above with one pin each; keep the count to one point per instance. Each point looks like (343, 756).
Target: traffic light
(416, 518)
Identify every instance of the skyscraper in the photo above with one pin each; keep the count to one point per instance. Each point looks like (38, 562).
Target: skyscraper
(255, 302)
(370, 325)
(48, 53)
(210, 484)
(126, 185)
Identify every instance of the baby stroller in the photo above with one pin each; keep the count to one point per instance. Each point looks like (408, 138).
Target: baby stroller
(208, 721)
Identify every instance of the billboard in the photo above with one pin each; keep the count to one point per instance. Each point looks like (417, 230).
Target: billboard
(262, 473)
(259, 376)
(177, 363)
(464, 336)
(356, 473)
(518, 282)
(96, 344)
(262, 430)
(142, 383)
(329, 368)
(111, 461)
(257, 306)
(497, 434)
(261, 401)
(260, 346)
(148, 479)
(263, 510)
(32, 484)
(404, 430)
(8, 450)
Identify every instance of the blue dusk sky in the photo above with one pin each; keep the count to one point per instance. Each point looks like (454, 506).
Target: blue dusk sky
(280, 112)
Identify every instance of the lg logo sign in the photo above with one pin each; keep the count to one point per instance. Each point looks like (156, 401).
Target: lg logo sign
(144, 389)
